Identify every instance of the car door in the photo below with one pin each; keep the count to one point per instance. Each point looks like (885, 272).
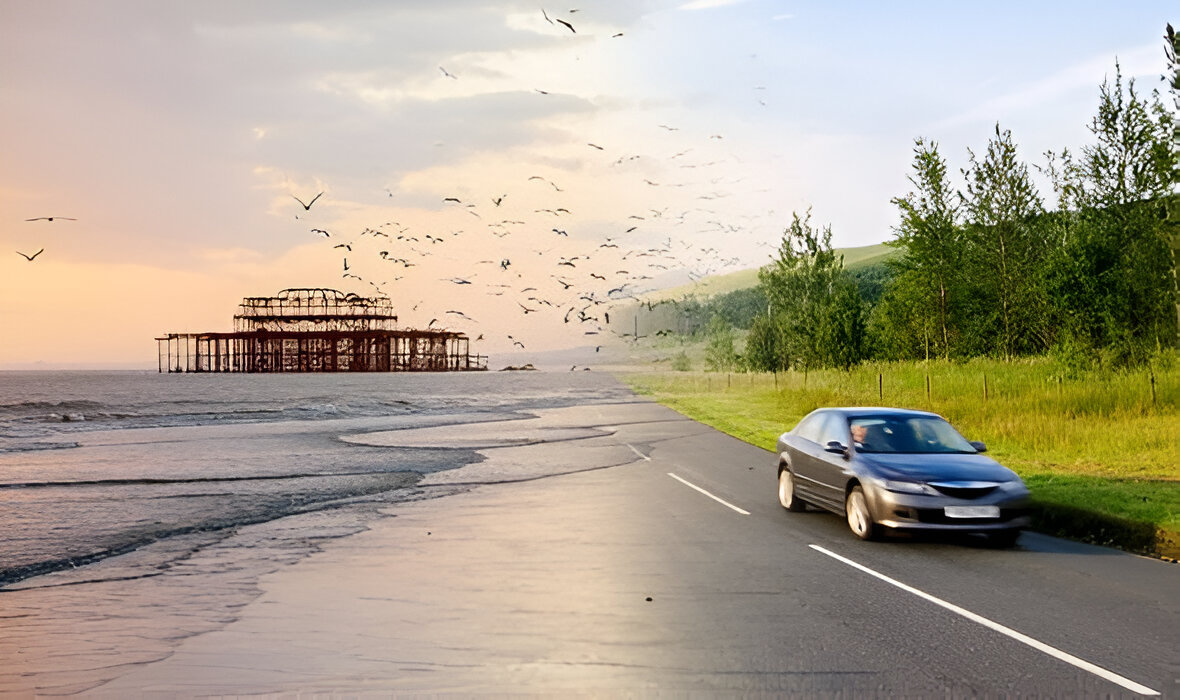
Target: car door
(805, 457)
(830, 469)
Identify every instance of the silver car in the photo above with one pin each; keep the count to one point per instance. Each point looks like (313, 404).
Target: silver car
(897, 469)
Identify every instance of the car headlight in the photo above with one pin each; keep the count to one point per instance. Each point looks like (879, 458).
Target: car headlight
(1014, 486)
(910, 487)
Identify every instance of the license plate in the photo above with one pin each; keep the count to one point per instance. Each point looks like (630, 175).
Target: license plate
(972, 511)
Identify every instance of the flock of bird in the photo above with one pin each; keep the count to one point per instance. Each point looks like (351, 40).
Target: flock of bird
(569, 273)
(33, 256)
(550, 267)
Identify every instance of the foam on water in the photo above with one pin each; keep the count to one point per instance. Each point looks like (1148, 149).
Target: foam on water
(145, 457)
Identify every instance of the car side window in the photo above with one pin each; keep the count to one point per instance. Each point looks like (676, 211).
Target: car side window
(809, 429)
(834, 429)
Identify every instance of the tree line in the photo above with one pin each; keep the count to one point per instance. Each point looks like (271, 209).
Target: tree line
(992, 268)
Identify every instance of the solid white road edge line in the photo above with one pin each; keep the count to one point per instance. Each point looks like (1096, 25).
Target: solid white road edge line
(645, 457)
(698, 488)
(1023, 638)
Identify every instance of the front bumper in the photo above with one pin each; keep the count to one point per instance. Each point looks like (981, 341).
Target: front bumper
(904, 511)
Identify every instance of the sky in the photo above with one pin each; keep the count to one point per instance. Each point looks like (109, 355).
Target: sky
(550, 152)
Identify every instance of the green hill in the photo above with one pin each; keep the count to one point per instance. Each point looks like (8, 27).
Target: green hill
(854, 259)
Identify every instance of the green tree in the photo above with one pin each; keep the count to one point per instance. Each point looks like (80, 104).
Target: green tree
(930, 232)
(900, 326)
(798, 285)
(762, 346)
(842, 325)
(1122, 253)
(719, 350)
(817, 316)
(1003, 250)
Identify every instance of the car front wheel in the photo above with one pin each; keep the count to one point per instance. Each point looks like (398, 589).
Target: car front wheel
(860, 521)
(786, 492)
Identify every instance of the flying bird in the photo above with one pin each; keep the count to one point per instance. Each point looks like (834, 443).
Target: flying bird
(567, 24)
(447, 74)
(51, 218)
(321, 231)
(594, 145)
(307, 207)
(30, 257)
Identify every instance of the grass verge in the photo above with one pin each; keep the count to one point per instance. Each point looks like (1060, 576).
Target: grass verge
(1099, 452)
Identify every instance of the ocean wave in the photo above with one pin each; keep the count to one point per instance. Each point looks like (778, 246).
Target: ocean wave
(7, 447)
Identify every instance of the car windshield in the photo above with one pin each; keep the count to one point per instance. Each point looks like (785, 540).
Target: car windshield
(907, 434)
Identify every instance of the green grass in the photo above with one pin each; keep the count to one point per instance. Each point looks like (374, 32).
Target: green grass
(1100, 457)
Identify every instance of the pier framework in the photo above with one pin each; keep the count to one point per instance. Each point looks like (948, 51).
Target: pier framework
(317, 330)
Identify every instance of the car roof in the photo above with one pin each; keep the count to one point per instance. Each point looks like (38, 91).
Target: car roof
(867, 411)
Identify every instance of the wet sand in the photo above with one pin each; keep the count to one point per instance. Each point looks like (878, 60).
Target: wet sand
(372, 595)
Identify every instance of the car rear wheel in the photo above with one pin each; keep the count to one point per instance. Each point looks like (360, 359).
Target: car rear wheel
(786, 492)
(860, 521)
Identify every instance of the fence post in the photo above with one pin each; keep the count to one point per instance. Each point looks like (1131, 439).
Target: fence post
(927, 387)
(985, 386)
(880, 388)
(1152, 370)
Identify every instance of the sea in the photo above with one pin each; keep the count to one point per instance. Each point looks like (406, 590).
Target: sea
(96, 464)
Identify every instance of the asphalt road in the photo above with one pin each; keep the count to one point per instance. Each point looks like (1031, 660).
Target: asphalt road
(645, 554)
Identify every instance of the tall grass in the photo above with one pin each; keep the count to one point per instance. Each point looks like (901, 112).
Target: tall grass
(1112, 439)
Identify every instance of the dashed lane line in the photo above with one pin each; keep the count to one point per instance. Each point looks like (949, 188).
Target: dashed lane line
(722, 501)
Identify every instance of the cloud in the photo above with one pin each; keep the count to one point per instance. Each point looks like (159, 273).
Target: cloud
(1087, 75)
(708, 4)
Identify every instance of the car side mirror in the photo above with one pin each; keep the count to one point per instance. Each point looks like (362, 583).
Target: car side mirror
(979, 446)
(836, 448)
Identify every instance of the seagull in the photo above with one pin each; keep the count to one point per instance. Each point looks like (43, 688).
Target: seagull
(594, 145)
(497, 200)
(307, 207)
(51, 218)
(322, 232)
(343, 245)
(30, 257)
(457, 280)
(447, 74)
(567, 24)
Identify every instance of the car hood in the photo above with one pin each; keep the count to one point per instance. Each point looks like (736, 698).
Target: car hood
(937, 467)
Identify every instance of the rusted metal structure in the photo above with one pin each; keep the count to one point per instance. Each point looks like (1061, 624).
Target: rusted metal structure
(317, 330)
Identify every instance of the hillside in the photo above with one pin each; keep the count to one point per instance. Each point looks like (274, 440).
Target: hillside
(854, 258)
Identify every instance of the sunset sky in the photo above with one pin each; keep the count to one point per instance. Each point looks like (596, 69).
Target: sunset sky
(178, 135)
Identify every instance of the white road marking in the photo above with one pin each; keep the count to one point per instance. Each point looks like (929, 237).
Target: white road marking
(645, 457)
(1023, 638)
(719, 500)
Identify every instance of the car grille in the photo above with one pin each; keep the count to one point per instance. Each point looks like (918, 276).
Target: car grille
(965, 491)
